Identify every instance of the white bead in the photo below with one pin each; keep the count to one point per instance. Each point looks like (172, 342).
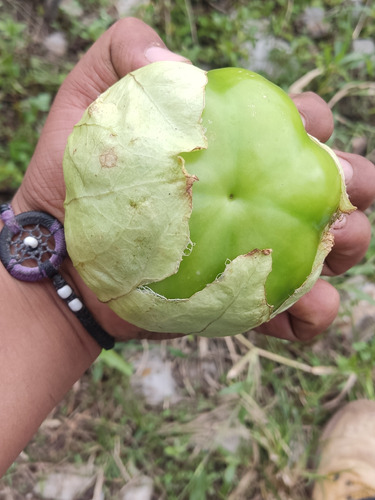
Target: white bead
(75, 305)
(64, 292)
(31, 242)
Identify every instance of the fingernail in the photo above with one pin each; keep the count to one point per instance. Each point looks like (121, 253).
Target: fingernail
(303, 120)
(347, 169)
(155, 53)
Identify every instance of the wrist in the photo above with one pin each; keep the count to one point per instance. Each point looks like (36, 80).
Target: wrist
(120, 329)
(44, 351)
(93, 315)
(35, 309)
(38, 302)
(32, 249)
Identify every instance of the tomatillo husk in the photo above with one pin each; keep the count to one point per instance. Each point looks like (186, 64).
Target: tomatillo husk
(196, 202)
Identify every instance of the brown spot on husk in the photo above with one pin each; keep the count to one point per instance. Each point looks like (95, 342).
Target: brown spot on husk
(264, 251)
(108, 159)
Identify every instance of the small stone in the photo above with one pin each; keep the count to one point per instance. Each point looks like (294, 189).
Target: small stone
(364, 46)
(66, 483)
(139, 488)
(56, 44)
(31, 242)
(314, 22)
(72, 8)
(154, 379)
(265, 52)
(261, 55)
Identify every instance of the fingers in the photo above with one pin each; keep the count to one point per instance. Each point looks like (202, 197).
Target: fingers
(316, 115)
(352, 233)
(352, 236)
(308, 317)
(128, 45)
(360, 183)
(315, 311)
(360, 172)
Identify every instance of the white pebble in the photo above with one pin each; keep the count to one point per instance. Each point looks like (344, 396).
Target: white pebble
(56, 44)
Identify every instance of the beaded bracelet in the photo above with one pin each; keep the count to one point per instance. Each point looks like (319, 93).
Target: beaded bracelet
(32, 248)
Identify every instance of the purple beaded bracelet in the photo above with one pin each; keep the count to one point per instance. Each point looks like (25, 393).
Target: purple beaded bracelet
(32, 248)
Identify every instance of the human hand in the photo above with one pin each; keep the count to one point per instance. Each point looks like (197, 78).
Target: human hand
(128, 45)
(316, 310)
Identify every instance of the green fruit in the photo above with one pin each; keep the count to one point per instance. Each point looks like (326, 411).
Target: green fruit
(198, 206)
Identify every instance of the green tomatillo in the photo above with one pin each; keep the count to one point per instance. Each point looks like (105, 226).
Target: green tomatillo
(196, 202)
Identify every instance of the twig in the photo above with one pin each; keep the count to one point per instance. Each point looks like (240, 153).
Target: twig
(298, 86)
(330, 405)
(361, 21)
(348, 88)
(98, 490)
(116, 457)
(277, 358)
(248, 479)
(167, 9)
(288, 13)
(144, 358)
(231, 349)
(203, 347)
(186, 381)
(193, 27)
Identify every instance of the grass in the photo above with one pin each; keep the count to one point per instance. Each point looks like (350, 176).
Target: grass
(273, 396)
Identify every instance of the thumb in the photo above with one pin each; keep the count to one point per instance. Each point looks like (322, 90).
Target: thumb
(128, 45)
